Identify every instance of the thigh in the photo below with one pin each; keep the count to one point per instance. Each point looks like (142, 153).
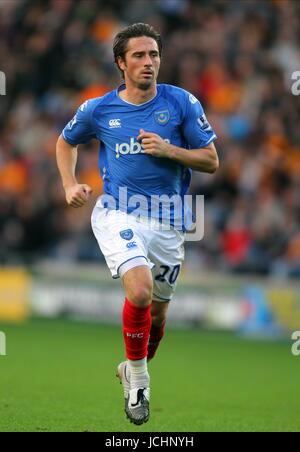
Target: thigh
(120, 239)
(166, 251)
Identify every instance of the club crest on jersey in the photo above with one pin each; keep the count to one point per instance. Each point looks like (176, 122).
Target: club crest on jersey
(127, 234)
(162, 117)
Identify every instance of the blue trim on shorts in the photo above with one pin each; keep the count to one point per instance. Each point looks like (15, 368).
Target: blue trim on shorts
(135, 257)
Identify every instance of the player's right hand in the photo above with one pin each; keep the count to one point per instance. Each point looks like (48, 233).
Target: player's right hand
(77, 195)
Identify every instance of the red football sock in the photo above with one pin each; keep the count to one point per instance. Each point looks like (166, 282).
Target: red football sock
(156, 335)
(136, 330)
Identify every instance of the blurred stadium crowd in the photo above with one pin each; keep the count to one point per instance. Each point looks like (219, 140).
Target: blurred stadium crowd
(236, 56)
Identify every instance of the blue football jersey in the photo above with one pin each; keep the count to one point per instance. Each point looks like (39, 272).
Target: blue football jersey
(174, 114)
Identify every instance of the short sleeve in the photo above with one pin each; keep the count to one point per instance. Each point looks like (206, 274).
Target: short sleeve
(80, 129)
(196, 129)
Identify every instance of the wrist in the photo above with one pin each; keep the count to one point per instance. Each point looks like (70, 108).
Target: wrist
(173, 152)
(170, 151)
(69, 184)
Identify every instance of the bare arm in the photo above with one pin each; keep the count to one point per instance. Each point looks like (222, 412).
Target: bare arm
(203, 159)
(66, 156)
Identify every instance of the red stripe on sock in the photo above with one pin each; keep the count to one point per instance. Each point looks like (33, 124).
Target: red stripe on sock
(136, 330)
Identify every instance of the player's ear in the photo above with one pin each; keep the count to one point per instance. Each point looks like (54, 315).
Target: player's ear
(121, 63)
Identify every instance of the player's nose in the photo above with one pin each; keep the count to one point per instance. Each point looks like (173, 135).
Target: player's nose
(148, 61)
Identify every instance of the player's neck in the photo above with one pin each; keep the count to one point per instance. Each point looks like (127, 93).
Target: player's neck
(136, 95)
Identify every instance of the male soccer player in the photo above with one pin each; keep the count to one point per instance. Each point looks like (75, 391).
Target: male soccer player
(151, 137)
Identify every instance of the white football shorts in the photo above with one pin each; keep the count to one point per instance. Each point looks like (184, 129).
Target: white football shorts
(128, 242)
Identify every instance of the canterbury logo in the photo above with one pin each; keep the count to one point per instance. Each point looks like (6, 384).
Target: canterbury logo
(134, 147)
(114, 123)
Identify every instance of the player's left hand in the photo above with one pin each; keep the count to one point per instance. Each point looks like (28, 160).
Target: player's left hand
(153, 144)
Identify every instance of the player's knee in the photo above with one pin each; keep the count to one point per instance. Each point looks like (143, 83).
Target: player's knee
(140, 295)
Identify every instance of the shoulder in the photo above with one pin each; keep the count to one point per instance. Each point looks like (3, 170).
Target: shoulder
(181, 100)
(91, 104)
(92, 108)
(171, 91)
(179, 97)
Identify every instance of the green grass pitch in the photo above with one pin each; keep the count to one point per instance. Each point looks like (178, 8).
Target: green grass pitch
(60, 376)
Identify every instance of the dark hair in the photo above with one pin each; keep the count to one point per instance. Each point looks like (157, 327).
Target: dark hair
(133, 31)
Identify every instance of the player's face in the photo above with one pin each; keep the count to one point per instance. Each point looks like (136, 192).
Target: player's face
(141, 63)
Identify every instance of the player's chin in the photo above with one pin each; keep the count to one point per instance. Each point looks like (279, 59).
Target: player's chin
(145, 84)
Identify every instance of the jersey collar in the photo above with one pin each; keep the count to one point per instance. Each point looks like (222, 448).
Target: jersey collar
(123, 86)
